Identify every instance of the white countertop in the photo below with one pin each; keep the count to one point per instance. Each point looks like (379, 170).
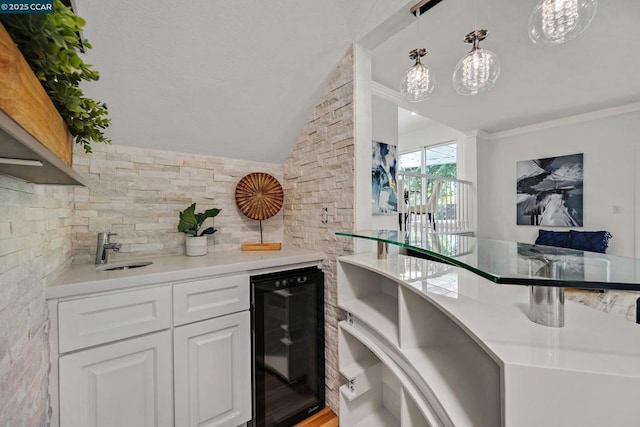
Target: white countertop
(81, 279)
(496, 316)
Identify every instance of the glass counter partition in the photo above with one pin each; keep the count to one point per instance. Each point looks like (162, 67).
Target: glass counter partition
(548, 270)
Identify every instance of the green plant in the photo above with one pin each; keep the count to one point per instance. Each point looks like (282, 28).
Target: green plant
(51, 44)
(190, 221)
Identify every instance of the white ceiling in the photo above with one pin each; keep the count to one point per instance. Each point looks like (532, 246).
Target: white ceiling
(599, 69)
(239, 78)
(410, 121)
(229, 78)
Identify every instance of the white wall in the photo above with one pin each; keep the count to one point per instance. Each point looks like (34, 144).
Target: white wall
(609, 145)
(431, 135)
(384, 128)
(364, 129)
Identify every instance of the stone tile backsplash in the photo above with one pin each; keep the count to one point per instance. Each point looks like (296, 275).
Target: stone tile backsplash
(138, 192)
(35, 247)
(319, 173)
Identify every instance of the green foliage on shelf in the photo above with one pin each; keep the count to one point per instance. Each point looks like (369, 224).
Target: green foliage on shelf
(51, 45)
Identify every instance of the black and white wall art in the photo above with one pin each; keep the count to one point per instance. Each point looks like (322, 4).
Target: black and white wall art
(383, 179)
(549, 191)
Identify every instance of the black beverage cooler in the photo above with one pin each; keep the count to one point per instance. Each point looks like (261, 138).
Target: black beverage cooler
(287, 316)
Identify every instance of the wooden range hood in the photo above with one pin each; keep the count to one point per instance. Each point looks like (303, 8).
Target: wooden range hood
(31, 129)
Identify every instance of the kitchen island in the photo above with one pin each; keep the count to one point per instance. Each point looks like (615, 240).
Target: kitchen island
(431, 343)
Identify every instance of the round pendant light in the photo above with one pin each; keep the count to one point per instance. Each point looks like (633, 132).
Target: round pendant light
(418, 82)
(554, 22)
(478, 70)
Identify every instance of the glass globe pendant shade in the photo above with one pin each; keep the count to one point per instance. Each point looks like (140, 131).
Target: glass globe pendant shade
(478, 70)
(554, 22)
(418, 82)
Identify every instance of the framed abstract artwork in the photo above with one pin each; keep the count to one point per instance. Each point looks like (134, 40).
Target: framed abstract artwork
(549, 191)
(383, 179)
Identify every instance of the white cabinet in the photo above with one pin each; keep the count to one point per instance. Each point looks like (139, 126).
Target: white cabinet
(116, 369)
(123, 384)
(164, 345)
(212, 357)
(213, 372)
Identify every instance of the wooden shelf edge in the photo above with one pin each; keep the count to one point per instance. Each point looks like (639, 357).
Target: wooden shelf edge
(24, 100)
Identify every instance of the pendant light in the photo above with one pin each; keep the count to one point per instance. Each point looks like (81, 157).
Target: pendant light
(478, 70)
(554, 22)
(418, 82)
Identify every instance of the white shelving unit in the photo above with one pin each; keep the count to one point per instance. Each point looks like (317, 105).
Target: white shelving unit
(435, 345)
(443, 362)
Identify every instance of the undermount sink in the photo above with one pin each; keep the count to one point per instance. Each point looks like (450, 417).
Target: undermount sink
(126, 266)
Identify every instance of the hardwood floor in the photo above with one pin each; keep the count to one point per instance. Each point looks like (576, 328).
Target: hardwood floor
(324, 418)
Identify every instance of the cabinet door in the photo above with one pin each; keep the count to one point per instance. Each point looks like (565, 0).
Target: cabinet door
(213, 372)
(122, 384)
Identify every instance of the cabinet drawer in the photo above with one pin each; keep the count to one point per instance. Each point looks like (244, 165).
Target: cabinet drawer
(97, 320)
(211, 297)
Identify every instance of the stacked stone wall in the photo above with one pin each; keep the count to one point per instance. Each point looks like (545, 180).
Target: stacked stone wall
(319, 174)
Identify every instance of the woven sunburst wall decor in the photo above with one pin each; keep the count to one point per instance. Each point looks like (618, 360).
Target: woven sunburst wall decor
(259, 196)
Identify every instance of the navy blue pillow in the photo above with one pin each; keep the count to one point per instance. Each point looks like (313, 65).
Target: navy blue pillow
(559, 239)
(592, 241)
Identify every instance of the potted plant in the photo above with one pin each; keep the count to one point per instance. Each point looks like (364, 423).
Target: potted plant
(190, 224)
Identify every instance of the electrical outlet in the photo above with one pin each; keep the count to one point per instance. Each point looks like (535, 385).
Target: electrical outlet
(616, 209)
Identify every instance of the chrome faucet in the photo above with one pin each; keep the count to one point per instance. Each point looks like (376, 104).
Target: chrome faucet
(102, 251)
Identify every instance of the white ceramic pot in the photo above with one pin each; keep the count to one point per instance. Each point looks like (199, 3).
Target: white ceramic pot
(196, 246)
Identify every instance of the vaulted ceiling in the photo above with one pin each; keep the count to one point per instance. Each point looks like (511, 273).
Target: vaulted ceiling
(239, 78)
(229, 78)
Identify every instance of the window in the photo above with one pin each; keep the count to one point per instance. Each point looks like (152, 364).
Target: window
(411, 162)
(439, 160)
(436, 160)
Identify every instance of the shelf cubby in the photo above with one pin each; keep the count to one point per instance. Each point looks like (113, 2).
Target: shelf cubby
(378, 392)
(358, 365)
(410, 414)
(372, 396)
(372, 409)
(463, 378)
(373, 296)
